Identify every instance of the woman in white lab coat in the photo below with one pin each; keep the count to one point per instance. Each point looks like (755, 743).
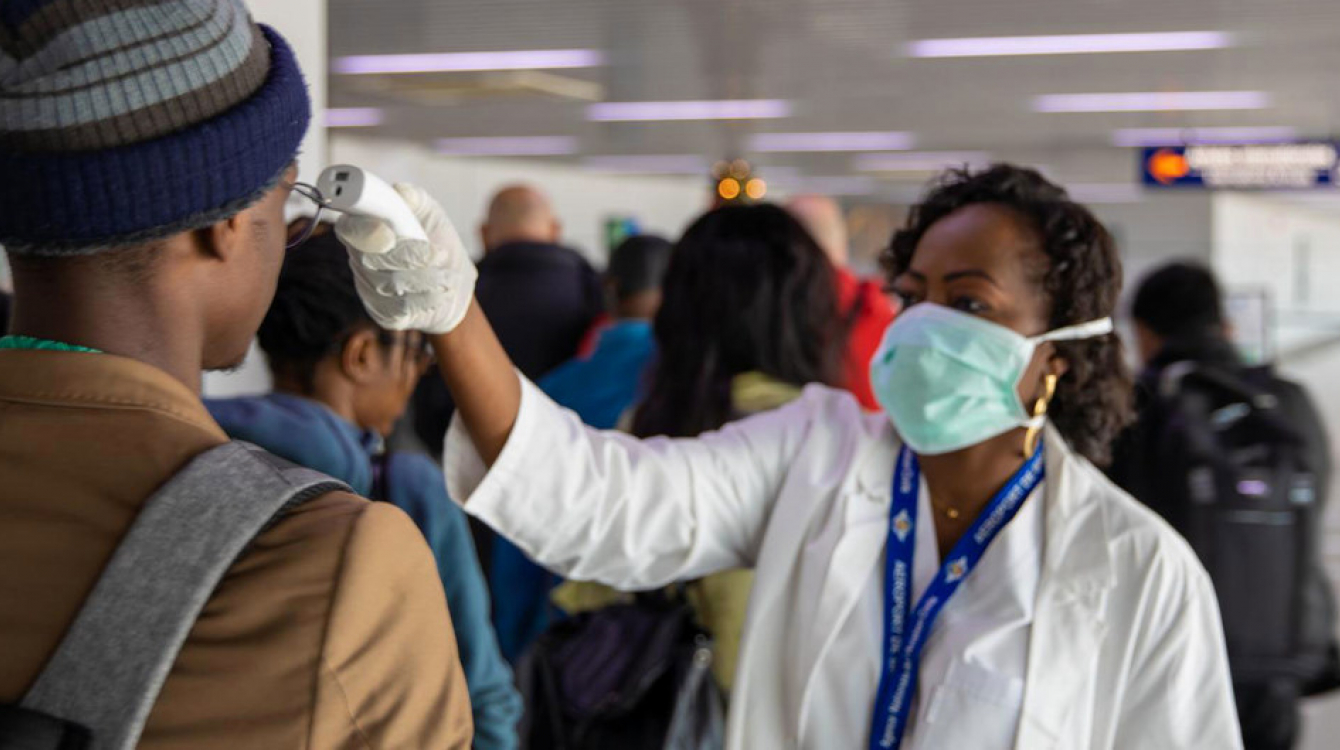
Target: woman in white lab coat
(951, 573)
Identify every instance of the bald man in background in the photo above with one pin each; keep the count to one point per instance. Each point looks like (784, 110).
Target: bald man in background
(861, 302)
(541, 297)
(519, 213)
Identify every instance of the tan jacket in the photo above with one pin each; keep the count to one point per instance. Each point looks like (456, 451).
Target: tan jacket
(330, 632)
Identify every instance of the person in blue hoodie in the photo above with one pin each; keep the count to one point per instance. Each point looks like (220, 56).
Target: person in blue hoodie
(340, 385)
(600, 386)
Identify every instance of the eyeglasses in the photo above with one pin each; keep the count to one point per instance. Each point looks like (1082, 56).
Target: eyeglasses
(415, 344)
(302, 231)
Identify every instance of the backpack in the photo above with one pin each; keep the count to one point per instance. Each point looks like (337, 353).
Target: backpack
(99, 686)
(1231, 471)
(627, 677)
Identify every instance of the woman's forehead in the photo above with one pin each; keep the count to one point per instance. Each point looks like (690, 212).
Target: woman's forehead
(978, 237)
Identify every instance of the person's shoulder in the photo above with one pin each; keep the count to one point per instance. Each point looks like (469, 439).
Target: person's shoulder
(524, 252)
(341, 537)
(1293, 396)
(311, 535)
(566, 375)
(836, 410)
(388, 659)
(827, 398)
(325, 527)
(415, 469)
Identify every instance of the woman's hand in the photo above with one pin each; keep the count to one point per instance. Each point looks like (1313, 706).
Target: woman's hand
(408, 284)
(429, 286)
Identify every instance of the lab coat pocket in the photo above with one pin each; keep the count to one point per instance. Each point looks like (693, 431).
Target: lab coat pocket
(974, 707)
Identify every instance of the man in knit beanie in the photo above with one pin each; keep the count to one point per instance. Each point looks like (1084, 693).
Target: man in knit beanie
(146, 153)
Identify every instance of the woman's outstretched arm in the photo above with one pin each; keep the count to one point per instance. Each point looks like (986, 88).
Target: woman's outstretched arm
(482, 381)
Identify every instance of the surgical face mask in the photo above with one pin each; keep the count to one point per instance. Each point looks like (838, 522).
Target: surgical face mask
(949, 380)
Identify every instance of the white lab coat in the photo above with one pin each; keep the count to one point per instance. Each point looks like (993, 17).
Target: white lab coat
(1125, 650)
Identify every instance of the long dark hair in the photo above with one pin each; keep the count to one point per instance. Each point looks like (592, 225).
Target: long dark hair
(748, 290)
(1081, 281)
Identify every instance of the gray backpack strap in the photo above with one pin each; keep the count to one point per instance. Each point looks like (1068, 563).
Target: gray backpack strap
(107, 672)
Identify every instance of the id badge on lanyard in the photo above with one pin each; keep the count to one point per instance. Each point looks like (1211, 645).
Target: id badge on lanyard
(906, 628)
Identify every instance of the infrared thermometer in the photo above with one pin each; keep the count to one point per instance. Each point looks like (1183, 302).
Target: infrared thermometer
(351, 190)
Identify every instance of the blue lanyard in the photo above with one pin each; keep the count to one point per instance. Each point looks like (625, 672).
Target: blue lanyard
(903, 645)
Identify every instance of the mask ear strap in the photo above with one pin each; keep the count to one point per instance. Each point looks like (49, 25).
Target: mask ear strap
(1092, 329)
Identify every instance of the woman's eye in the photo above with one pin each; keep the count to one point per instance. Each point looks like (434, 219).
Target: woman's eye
(970, 305)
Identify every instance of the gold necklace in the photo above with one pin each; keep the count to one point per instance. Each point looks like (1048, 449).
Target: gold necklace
(950, 512)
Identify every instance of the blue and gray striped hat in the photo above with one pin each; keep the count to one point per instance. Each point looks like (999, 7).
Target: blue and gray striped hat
(123, 121)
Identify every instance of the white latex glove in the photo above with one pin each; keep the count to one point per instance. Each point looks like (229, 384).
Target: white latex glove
(409, 284)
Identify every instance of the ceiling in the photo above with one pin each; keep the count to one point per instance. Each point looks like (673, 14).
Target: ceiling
(842, 65)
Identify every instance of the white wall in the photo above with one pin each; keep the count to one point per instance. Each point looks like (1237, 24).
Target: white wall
(1292, 250)
(583, 200)
(1163, 226)
(303, 24)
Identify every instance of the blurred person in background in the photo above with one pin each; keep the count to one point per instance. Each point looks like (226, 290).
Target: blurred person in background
(340, 385)
(1064, 613)
(1236, 459)
(545, 295)
(150, 150)
(862, 305)
(600, 387)
(749, 319)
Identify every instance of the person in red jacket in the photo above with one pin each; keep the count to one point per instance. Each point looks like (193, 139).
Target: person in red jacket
(861, 302)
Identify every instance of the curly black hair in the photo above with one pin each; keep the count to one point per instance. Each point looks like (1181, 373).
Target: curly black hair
(1081, 282)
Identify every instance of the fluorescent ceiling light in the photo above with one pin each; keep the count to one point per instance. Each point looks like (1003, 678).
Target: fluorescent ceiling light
(1151, 101)
(1138, 137)
(720, 109)
(649, 164)
(352, 117)
(919, 161)
(1069, 44)
(465, 61)
(866, 141)
(545, 145)
(1105, 192)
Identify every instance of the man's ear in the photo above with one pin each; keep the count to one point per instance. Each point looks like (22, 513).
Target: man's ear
(358, 358)
(484, 236)
(555, 231)
(223, 239)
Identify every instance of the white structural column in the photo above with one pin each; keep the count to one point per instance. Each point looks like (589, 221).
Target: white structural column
(303, 24)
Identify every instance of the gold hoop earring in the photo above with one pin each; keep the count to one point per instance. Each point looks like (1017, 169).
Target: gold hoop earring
(1039, 412)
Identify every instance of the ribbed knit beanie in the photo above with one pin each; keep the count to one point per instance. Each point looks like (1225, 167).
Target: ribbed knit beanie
(124, 121)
